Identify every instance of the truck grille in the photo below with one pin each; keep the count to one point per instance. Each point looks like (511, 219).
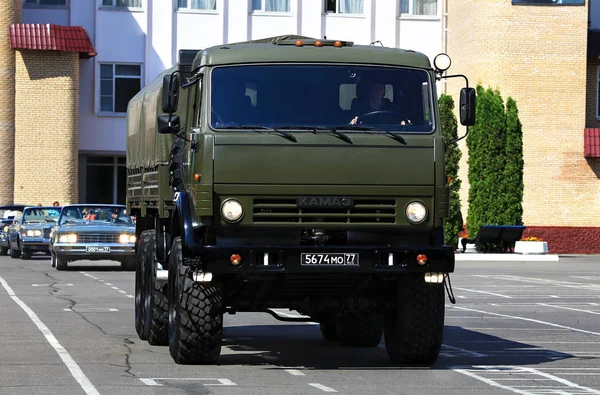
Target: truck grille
(98, 238)
(365, 211)
(47, 232)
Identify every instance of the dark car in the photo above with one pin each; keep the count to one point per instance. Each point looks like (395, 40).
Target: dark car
(7, 216)
(30, 232)
(93, 232)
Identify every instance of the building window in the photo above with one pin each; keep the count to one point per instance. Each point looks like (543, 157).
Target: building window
(418, 7)
(118, 84)
(106, 180)
(344, 6)
(62, 3)
(549, 2)
(271, 5)
(122, 3)
(197, 4)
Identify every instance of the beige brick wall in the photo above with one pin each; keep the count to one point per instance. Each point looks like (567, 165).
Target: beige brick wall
(47, 118)
(10, 12)
(536, 55)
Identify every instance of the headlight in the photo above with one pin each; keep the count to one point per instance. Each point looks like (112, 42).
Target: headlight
(29, 233)
(232, 210)
(416, 212)
(6, 229)
(37, 233)
(126, 239)
(71, 238)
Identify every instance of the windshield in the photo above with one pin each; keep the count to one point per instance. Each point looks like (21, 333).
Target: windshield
(391, 98)
(95, 215)
(40, 214)
(7, 214)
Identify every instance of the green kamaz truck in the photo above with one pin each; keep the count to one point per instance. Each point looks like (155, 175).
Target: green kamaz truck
(292, 173)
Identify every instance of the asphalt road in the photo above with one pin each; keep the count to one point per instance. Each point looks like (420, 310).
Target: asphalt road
(518, 327)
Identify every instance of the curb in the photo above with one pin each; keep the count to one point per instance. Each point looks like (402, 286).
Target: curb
(510, 257)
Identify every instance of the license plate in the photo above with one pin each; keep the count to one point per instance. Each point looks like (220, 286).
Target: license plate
(97, 249)
(324, 259)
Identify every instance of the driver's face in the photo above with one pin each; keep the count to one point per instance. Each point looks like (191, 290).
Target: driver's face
(376, 91)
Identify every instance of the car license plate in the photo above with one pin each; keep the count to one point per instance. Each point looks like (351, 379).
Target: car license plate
(97, 249)
(325, 259)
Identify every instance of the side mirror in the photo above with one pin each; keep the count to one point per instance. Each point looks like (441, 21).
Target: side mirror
(467, 106)
(170, 93)
(168, 124)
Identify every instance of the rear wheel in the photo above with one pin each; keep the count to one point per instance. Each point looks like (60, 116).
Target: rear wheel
(195, 314)
(360, 330)
(414, 326)
(139, 285)
(156, 305)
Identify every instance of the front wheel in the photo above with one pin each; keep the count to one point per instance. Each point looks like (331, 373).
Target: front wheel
(61, 263)
(140, 286)
(3, 250)
(414, 326)
(328, 330)
(195, 314)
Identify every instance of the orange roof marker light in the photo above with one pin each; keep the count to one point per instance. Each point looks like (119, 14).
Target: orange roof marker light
(337, 44)
(196, 177)
(299, 43)
(318, 43)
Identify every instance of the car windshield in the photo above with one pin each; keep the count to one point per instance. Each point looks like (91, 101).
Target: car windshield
(274, 96)
(95, 215)
(7, 214)
(41, 214)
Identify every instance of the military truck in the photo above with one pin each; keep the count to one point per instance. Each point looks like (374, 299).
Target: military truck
(292, 173)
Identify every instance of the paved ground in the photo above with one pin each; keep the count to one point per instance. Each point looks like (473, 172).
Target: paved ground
(517, 327)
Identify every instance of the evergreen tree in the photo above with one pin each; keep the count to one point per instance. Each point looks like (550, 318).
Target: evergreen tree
(453, 224)
(513, 170)
(487, 154)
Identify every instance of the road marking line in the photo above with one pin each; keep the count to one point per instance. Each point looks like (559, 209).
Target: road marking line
(150, 382)
(462, 350)
(484, 292)
(513, 371)
(123, 292)
(75, 370)
(294, 372)
(222, 382)
(113, 287)
(528, 319)
(569, 308)
(40, 285)
(107, 283)
(322, 387)
(130, 296)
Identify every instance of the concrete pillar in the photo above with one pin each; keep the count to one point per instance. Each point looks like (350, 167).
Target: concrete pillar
(10, 12)
(47, 131)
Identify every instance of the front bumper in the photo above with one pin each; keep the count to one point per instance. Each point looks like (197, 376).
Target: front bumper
(35, 243)
(288, 259)
(94, 251)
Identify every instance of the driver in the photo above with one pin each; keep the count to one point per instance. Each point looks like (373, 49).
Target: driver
(374, 100)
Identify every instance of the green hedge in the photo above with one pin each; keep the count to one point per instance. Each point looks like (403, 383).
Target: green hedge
(495, 163)
(453, 224)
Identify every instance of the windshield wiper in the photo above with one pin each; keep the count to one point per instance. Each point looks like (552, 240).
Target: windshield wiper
(320, 128)
(395, 136)
(258, 129)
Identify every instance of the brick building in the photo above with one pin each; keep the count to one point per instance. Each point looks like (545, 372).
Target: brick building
(47, 88)
(536, 52)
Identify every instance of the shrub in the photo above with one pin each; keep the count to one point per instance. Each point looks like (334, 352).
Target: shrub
(453, 224)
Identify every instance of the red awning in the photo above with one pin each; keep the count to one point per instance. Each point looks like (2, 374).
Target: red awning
(591, 142)
(49, 37)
